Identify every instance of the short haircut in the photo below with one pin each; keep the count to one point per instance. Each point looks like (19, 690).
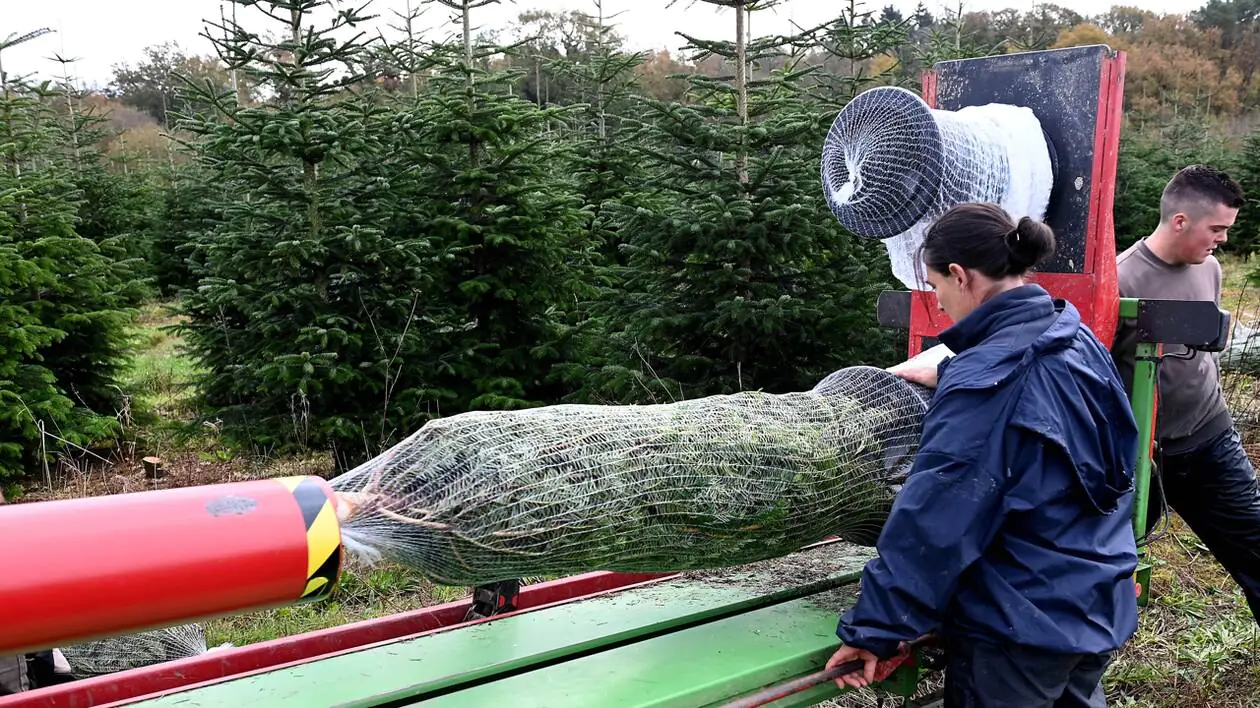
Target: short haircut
(1196, 189)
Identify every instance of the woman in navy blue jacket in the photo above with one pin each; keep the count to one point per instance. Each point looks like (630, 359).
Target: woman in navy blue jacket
(1012, 538)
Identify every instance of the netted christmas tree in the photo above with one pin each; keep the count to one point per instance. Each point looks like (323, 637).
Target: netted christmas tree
(133, 651)
(703, 483)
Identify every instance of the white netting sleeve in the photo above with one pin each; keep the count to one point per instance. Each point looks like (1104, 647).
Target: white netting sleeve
(891, 165)
(133, 651)
(696, 484)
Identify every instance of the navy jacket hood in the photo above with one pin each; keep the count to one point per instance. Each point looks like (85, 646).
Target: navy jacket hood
(1022, 327)
(1015, 524)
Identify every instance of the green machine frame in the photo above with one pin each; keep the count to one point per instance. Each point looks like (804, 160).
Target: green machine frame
(1198, 327)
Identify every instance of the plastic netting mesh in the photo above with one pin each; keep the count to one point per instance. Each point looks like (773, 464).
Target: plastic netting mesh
(703, 483)
(891, 165)
(133, 651)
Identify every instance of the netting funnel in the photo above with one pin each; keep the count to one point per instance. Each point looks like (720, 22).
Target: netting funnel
(891, 165)
(704, 483)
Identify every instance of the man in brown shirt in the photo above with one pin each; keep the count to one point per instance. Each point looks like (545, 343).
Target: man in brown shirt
(1201, 468)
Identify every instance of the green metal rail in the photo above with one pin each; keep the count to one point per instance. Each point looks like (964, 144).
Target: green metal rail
(1145, 372)
(1201, 326)
(692, 640)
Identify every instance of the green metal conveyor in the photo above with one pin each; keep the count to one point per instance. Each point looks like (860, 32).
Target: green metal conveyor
(696, 639)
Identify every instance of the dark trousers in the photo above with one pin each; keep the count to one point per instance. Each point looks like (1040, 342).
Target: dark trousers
(983, 675)
(13, 675)
(1214, 489)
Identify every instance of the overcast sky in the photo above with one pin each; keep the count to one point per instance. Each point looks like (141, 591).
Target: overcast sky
(102, 33)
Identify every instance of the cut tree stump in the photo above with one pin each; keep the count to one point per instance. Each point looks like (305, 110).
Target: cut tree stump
(153, 467)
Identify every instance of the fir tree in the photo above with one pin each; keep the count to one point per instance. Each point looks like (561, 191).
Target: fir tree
(62, 300)
(190, 207)
(603, 161)
(1141, 173)
(1244, 237)
(117, 209)
(507, 228)
(741, 279)
(1147, 160)
(849, 43)
(313, 298)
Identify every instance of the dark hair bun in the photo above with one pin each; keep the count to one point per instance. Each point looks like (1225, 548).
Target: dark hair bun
(1030, 243)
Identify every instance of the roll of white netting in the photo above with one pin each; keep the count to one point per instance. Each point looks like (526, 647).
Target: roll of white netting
(891, 165)
(696, 484)
(133, 651)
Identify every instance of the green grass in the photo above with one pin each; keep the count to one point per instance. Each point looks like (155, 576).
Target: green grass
(161, 374)
(362, 594)
(1196, 641)
(159, 381)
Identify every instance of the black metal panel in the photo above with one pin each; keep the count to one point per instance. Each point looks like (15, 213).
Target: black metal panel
(1061, 87)
(1198, 325)
(892, 309)
(928, 343)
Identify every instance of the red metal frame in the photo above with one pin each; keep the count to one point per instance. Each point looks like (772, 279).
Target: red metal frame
(117, 689)
(1095, 292)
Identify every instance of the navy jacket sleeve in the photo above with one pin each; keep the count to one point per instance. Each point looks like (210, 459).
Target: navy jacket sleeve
(945, 516)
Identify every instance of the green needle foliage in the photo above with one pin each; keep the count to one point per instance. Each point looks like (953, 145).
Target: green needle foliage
(312, 301)
(376, 261)
(1244, 237)
(738, 277)
(63, 298)
(508, 230)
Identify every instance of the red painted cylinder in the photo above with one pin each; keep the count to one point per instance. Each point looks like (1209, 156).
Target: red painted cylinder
(80, 569)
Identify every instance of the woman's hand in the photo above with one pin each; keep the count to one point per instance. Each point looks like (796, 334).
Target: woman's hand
(873, 668)
(922, 368)
(921, 372)
(856, 679)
